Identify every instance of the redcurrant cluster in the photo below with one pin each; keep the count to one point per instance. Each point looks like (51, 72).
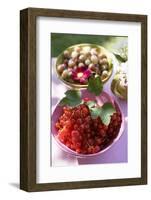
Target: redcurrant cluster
(79, 132)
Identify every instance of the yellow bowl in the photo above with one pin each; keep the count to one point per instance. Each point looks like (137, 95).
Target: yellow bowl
(100, 49)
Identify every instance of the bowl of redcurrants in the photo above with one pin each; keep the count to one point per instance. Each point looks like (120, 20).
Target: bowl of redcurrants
(76, 64)
(80, 133)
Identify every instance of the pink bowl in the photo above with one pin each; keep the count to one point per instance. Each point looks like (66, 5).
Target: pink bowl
(104, 97)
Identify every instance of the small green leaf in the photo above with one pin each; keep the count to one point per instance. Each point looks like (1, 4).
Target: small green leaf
(64, 101)
(73, 94)
(90, 104)
(74, 103)
(103, 112)
(107, 111)
(95, 85)
(73, 98)
(95, 112)
(119, 57)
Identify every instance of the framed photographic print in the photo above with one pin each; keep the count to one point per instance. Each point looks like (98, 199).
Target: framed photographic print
(83, 99)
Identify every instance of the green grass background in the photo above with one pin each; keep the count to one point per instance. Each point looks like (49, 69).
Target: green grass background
(60, 41)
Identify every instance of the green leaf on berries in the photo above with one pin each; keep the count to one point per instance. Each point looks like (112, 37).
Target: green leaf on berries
(95, 112)
(95, 85)
(73, 94)
(72, 98)
(90, 104)
(107, 111)
(64, 101)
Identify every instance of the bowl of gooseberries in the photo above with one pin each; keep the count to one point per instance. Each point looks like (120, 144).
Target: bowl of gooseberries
(77, 63)
(79, 134)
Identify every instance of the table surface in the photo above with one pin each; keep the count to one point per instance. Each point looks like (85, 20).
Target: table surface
(116, 154)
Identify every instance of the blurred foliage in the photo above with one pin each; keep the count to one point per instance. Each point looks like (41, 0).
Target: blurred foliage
(60, 41)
